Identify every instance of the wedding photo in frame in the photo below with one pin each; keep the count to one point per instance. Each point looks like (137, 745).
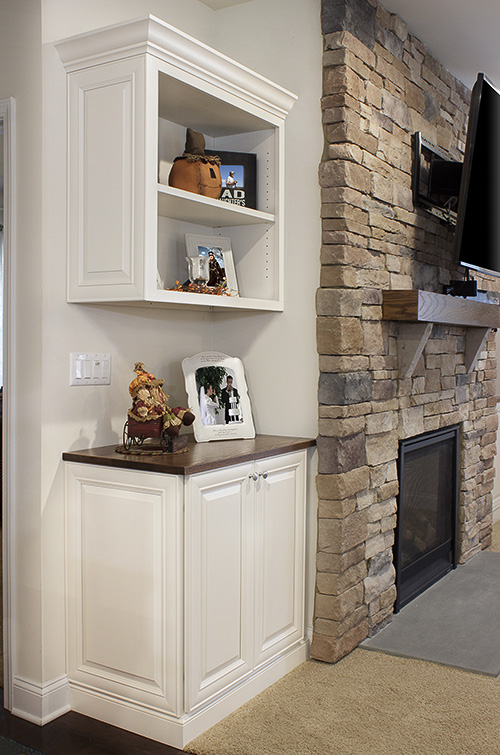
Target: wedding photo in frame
(218, 249)
(218, 396)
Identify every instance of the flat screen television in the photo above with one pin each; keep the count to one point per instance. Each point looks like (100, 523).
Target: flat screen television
(477, 233)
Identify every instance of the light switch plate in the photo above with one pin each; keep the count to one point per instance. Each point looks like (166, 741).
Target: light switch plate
(90, 369)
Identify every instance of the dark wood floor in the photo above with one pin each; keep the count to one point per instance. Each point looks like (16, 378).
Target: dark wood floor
(74, 734)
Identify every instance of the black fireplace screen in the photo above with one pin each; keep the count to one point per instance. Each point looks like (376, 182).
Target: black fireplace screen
(425, 545)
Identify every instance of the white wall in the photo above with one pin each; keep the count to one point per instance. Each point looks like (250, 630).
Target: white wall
(280, 39)
(20, 77)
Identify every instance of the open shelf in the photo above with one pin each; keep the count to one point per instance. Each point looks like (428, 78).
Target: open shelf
(134, 89)
(195, 208)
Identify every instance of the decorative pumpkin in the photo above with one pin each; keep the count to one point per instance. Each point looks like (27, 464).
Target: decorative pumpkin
(194, 171)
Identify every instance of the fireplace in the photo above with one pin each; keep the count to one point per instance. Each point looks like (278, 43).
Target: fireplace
(389, 375)
(425, 547)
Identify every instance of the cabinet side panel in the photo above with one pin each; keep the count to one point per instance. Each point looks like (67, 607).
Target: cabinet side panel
(108, 195)
(106, 182)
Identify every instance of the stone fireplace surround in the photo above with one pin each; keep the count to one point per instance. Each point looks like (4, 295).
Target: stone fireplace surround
(380, 86)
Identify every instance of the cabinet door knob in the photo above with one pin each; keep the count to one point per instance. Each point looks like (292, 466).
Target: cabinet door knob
(254, 476)
(264, 475)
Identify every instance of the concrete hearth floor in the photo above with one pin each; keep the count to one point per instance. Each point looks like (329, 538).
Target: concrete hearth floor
(455, 622)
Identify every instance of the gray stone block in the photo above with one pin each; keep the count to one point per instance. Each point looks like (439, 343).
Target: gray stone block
(337, 389)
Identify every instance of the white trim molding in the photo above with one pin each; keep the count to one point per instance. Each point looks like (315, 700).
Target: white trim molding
(8, 119)
(186, 55)
(40, 703)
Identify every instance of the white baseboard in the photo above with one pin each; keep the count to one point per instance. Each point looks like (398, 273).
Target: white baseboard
(40, 703)
(166, 728)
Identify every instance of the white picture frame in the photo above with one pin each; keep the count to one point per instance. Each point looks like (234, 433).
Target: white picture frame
(218, 415)
(197, 246)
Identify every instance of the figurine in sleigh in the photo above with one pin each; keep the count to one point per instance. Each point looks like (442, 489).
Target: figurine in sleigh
(150, 415)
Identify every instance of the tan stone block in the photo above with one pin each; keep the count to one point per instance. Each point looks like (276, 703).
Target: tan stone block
(331, 650)
(337, 607)
(336, 509)
(344, 173)
(337, 486)
(388, 597)
(332, 227)
(340, 535)
(387, 491)
(340, 78)
(411, 421)
(372, 279)
(381, 188)
(380, 423)
(341, 427)
(335, 302)
(343, 363)
(340, 562)
(379, 544)
(381, 448)
(337, 584)
(339, 335)
(345, 151)
(385, 406)
(374, 338)
(380, 510)
(338, 628)
(337, 275)
(352, 43)
(376, 586)
(348, 410)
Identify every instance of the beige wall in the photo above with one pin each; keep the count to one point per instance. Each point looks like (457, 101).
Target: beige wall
(51, 417)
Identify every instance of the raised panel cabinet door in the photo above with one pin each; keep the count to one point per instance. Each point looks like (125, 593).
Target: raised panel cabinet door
(218, 581)
(124, 592)
(279, 554)
(106, 181)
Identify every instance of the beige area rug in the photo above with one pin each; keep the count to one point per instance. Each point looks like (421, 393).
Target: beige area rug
(369, 703)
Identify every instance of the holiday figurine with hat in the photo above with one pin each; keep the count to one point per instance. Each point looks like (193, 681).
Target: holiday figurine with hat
(194, 170)
(150, 415)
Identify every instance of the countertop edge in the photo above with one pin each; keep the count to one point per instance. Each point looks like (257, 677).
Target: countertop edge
(207, 456)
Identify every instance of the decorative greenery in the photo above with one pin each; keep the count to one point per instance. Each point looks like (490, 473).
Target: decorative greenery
(212, 375)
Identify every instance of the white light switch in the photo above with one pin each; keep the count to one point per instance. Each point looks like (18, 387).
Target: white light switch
(90, 369)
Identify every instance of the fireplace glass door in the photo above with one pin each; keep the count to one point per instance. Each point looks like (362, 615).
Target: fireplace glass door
(425, 546)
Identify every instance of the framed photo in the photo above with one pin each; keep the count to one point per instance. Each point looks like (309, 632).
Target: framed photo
(218, 249)
(239, 177)
(218, 395)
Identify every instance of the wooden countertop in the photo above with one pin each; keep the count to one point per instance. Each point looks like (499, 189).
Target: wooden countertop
(199, 457)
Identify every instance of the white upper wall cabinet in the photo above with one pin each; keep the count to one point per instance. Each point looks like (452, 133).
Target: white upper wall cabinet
(133, 90)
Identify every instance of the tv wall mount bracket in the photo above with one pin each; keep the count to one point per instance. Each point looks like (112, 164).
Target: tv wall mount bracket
(435, 180)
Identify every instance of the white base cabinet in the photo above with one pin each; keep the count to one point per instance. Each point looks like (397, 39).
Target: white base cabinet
(185, 594)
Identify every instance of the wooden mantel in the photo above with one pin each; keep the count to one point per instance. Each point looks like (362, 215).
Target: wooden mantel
(419, 310)
(426, 306)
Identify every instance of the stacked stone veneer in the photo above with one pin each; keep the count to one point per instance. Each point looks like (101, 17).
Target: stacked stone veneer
(380, 86)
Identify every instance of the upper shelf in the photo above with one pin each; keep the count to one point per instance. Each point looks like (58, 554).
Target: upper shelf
(195, 208)
(426, 306)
